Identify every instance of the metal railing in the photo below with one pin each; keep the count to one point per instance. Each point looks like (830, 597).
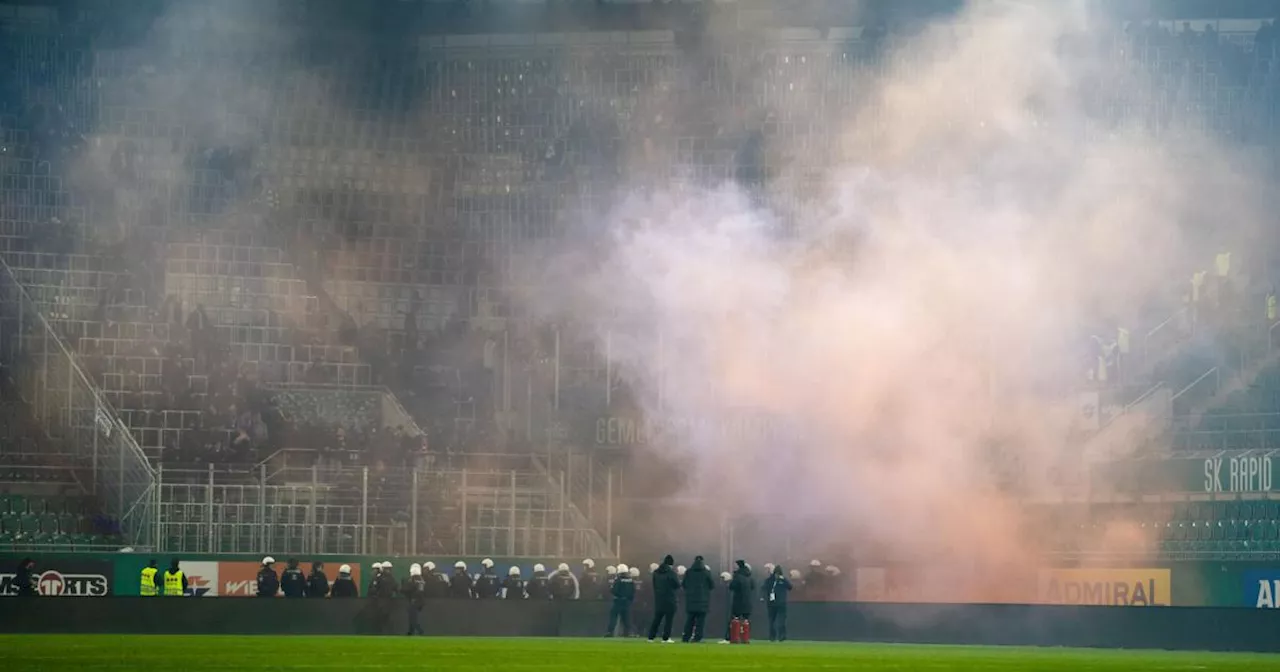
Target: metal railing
(74, 413)
(295, 503)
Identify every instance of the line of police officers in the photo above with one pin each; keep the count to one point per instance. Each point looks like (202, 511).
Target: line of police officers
(622, 585)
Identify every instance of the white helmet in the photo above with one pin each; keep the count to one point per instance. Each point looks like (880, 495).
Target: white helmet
(377, 565)
(622, 569)
(725, 576)
(415, 569)
(564, 567)
(459, 565)
(815, 563)
(514, 571)
(486, 563)
(429, 566)
(345, 569)
(268, 560)
(635, 572)
(589, 563)
(768, 567)
(653, 567)
(386, 564)
(539, 568)
(795, 574)
(610, 570)
(833, 570)
(681, 570)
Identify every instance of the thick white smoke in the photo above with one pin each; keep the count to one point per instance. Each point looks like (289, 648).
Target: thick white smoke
(915, 329)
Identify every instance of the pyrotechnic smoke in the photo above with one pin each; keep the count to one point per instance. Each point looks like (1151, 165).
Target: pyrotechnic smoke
(914, 331)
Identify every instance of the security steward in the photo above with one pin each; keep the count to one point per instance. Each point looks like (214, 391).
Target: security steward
(150, 585)
(776, 589)
(268, 582)
(292, 581)
(317, 582)
(175, 582)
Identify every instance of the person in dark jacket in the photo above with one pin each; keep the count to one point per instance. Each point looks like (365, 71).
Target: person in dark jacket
(513, 586)
(437, 582)
(590, 585)
(415, 593)
(292, 581)
(775, 591)
(564, 585)
(26, 579)
(268, 582)
(488, 586)
(317, 582)
(538, 587)
(461, 585)
(665, 587)
(815, 582)
(383, 590)
(743, 590)
(697, 584)
(344, 587)
(624, 592)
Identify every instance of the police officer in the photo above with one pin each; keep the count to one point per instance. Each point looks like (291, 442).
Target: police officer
(642, 606)
(610, 573)
(513, 585)
(292, 581)
(665, 586)
(317, 581)
(815, 582)
(697, 584)
(589, 583)
(725, 579)
(537, 587)
(415, 593)
(488, 586)
(383, 592)
(743, 589)
(175, 582)
(624, 592)
(564, 585)
(268, 582)
(149, 585)
(775, 590)
(835, 583)
(372, 590)
(344, 587)
(437, 582)
(461, 585)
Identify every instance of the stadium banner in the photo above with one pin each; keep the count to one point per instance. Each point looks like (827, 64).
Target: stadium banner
(1261, 588)
(78, 577)
(1243, 473)
(1106, 587)
(933, 585)
(626, 430)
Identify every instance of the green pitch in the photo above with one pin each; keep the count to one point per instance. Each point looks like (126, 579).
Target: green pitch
(68, 653)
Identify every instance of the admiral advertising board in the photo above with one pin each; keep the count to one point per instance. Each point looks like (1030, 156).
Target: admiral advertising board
(70, 578)
(1106, 587)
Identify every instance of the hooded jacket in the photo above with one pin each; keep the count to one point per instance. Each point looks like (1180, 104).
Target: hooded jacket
(698, 585)
(743, 589)
(666, 585)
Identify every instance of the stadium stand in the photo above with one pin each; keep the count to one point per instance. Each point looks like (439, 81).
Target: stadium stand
(278, 328)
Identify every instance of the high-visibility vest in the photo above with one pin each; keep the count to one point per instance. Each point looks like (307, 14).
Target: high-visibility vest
(173, 583)
(148, 586)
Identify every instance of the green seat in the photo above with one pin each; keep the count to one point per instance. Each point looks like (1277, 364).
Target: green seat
(17, 504)
(28, 524)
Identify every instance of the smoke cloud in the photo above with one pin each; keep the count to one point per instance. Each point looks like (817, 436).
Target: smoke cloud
(912, 332)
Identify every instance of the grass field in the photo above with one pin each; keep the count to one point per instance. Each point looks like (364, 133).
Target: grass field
(32, 653)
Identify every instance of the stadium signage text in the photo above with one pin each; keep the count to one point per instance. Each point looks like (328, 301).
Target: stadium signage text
(1105, 587)
(53, 583)
(640, 431)
(1237, 474)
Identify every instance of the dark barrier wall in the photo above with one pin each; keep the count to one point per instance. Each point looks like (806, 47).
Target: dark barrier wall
(1102, 627)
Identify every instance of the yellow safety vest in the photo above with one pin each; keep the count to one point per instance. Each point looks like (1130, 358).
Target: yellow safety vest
(173, 583)
(148, 586)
